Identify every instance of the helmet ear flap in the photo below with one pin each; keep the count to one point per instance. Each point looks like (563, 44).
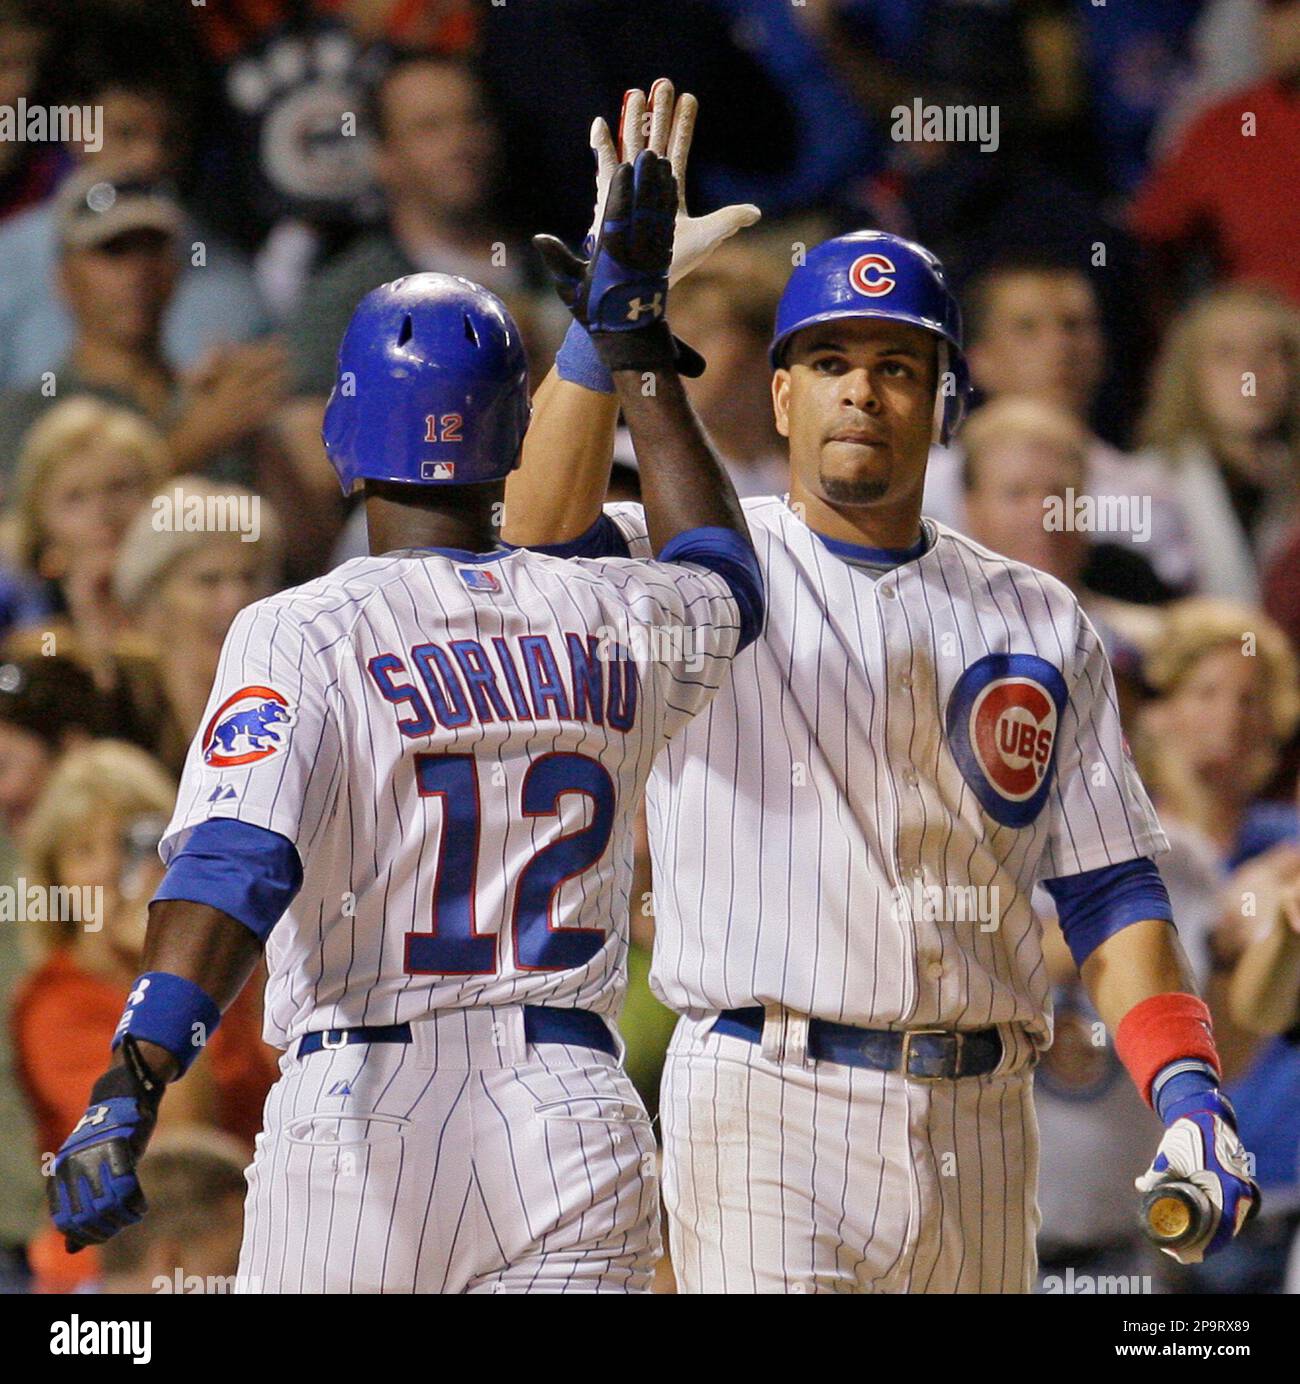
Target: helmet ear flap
(939, 430)
(949, 408)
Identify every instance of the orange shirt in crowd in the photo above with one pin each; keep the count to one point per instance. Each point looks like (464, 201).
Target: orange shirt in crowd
(63, 1020)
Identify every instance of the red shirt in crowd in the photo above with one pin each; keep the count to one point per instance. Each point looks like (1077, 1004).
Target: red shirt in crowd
(1235, 187)
(229, 27)
(63, 1021)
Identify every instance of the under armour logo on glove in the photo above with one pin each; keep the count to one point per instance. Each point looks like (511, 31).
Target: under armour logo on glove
(654, 307)
(94, 1192)
(619, 294)
(97, 1116)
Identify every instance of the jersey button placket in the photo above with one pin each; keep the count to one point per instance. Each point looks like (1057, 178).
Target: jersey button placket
(899, 733)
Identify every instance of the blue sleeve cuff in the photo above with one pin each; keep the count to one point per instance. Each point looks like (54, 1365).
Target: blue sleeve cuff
(603, 539)
(1099, 903)
(725, 552)
(577, 362)
(246, 871)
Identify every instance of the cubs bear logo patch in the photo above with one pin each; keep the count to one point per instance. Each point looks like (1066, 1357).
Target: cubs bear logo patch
(248, 726)
(1002, 722)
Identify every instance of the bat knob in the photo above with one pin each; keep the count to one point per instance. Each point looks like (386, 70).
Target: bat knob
(1175, 1214)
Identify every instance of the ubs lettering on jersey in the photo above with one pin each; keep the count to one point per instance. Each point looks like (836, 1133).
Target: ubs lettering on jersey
(523, 678)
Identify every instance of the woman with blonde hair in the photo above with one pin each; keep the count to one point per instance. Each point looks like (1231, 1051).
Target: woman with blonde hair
(84, 470)
(1223, 422)
(193, 557)
(76, 852)
(1226, 702)
(91, 850)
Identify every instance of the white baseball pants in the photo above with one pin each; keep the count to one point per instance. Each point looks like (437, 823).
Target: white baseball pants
(789, 1176)
(464, 1161)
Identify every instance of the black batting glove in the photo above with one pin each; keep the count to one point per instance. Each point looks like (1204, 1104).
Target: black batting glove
(620, 294)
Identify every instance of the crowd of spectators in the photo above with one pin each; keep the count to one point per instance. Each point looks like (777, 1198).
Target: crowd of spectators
(173, 287)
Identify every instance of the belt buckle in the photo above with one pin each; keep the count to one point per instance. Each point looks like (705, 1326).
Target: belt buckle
(343, 1038)
(957, 1037)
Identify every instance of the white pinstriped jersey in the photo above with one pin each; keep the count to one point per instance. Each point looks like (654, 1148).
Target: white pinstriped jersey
(894, 737)
(520, 701)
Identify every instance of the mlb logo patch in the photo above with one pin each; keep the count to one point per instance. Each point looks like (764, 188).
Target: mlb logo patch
(438, 471)
(478, 580)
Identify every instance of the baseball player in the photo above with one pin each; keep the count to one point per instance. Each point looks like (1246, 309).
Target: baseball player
(415, 784)
(845, 843)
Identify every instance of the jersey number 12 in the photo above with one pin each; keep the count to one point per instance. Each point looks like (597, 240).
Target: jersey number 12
(455, 946)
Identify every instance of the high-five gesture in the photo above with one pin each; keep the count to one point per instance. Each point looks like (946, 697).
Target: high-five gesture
(620, 293)
(665, 125)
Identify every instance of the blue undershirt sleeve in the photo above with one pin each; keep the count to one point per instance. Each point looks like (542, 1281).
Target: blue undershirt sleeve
(1097, 904)
(725, 552)
(603, 539)
(246, 871)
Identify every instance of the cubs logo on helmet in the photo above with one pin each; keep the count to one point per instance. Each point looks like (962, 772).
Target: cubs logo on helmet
(1002, 721)
(248, 726)
(872, 275)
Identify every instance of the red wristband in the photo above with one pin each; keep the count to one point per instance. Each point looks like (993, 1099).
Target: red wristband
(1163, 1029)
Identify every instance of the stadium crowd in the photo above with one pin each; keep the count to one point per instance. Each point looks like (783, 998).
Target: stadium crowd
(172, 293)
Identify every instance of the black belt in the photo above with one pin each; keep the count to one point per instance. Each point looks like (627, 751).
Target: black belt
(924, 1054)
(577, 1027)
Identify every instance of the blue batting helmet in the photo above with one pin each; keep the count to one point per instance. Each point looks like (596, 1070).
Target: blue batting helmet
(875, 274)
(432, 386)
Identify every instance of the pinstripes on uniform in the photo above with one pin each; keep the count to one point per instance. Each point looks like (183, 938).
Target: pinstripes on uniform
(810, 1177)
(784, 819)
(795, 828)
(344, 788)
(467, 1159)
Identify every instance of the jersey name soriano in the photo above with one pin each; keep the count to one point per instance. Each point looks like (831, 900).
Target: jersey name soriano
(456, 747)
(854, 826)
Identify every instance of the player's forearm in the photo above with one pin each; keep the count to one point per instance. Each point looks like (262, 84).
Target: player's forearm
(683, 484)
(557, 492)
(1264, 993)
(200, 944)
(1141, 960)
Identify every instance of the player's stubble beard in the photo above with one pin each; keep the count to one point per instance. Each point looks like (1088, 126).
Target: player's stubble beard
(865, 484)
(855, 492)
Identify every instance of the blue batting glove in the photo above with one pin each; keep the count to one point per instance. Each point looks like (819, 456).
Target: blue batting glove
(94, 1192)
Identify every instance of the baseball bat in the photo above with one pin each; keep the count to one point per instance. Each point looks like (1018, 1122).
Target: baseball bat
(1176, 1214)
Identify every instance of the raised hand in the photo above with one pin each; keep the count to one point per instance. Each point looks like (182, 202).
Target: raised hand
(665, 125)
